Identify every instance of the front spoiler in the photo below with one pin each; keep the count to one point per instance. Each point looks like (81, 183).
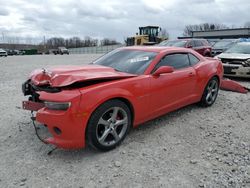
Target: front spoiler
(32, 106)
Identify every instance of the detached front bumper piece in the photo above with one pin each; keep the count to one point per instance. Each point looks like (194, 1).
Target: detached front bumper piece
(230, 85)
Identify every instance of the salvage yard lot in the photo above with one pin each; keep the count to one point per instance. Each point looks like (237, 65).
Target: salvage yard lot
(191, 147)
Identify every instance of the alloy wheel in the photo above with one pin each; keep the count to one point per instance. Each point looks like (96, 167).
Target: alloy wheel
(212, 91)
(112, 126)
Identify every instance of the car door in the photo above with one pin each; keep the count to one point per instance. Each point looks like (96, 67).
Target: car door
(172, 90)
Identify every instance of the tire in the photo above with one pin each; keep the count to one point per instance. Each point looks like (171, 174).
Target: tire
(108, 125)
(210, 92)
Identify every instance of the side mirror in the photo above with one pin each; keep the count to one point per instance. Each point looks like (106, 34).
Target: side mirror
(163, 70)
(189, 46)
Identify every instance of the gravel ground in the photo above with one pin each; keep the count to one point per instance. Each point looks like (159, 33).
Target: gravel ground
(191, 147)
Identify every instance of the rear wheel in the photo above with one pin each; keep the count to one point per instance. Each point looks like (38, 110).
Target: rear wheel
(210, 92)
(109, 125)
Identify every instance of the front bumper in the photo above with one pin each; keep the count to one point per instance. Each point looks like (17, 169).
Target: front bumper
(236, 70)
(67, 127)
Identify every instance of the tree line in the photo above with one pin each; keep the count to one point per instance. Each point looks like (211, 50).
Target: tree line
(77, 42)
(54, 42)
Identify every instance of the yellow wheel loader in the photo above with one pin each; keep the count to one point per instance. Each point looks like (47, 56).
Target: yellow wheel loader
(148, 35)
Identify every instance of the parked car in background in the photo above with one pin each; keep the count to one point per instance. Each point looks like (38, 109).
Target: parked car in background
(61, 50)
(10, 52)
(222, 46)
(3, 53)
(199, 45)
(19, 52)
(236, 60)
(15, 52)
(97, 104)
(213, 41)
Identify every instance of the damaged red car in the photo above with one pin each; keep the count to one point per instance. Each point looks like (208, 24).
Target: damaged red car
(97, 104)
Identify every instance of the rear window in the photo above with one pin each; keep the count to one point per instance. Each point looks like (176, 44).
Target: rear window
(198, 43)
(175, 43)
(205, 43)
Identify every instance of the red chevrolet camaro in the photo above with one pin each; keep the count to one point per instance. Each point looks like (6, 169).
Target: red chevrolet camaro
(98, 103)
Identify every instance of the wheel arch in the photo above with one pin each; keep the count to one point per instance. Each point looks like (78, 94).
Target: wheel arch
(129, 104)
(122, 99)
(210, 77)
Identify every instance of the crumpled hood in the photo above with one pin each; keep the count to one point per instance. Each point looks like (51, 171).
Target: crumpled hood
(67, 75)
(234, 56)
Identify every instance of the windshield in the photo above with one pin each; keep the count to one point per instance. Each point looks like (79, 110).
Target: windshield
(176, 43)
(125, 60)
(222, 44)
(240, 48)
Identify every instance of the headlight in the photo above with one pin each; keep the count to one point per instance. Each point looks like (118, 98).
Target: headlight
(57, 105)
(246, 63)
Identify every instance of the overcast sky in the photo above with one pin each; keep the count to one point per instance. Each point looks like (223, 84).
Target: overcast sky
(114, 18)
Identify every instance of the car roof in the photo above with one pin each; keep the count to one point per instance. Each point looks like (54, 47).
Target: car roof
(157, 49)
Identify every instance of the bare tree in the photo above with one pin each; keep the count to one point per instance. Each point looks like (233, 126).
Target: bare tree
(74, 42)
(164, 33)
(107, 41)
(202, 27)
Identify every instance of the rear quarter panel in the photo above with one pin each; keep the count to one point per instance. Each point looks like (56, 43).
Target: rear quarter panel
(207, 69)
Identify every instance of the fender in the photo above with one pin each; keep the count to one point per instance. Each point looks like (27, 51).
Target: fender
(136, 93)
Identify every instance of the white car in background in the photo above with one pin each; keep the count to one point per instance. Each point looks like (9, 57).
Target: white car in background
(236, 60)
(3, 53)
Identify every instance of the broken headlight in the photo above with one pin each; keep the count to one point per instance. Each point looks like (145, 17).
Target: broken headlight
(246, 63)
(57, 105)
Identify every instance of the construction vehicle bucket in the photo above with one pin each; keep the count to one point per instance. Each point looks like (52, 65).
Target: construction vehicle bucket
(230, 85)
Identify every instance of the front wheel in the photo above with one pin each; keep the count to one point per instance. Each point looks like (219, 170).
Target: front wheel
(210, 92)
(109, 125)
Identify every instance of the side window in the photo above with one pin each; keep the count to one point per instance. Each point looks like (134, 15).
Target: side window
(193, 59)
(177, 61)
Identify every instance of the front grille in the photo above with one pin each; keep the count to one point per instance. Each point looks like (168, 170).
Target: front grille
(232, 61)
(214, 53)
(45, 88)
(228, 70)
